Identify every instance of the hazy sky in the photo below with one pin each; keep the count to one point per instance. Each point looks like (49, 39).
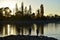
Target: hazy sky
(50, 6)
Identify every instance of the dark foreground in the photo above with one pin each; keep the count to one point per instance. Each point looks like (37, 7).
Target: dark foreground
(18, 37)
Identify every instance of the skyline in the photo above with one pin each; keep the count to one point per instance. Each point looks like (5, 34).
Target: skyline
(50, 6)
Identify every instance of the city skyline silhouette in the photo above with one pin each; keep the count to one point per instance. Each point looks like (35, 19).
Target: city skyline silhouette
(50, 6)
(29, 19)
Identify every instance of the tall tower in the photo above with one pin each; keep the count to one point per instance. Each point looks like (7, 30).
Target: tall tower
(22, 8)
(16, 8)
(42, 10)
(30, 9)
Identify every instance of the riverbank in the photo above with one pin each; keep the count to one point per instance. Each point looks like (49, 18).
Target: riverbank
(21, 37)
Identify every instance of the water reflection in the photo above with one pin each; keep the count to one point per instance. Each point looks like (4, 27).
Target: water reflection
(21, 29)
(40, 29)
(51, 29)
(9, 29)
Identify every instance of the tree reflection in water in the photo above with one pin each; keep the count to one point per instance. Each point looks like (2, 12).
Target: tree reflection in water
(22, 29)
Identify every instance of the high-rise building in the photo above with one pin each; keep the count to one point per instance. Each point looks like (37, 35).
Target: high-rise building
(30, 9)
(16, 8)
(42, 10)
(22, 8)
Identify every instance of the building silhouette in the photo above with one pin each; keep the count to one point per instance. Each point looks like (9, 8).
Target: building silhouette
(42, 10)
(22, 8)
(16, 8)
(30, 9)
(17, 11)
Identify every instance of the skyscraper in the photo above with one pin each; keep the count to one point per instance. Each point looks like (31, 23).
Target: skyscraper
(22, 8)
(30, 9)
(42, 10)
(16, 8)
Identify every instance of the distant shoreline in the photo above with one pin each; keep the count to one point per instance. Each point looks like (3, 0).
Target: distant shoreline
(31, 22)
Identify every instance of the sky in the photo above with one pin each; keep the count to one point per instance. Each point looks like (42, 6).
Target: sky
(51, 7)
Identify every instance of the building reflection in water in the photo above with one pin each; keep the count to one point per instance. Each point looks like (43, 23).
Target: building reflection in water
(40, 29)
(9, 30)
(22, 29)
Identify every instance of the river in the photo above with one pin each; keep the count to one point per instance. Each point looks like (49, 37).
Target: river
(50, 29)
